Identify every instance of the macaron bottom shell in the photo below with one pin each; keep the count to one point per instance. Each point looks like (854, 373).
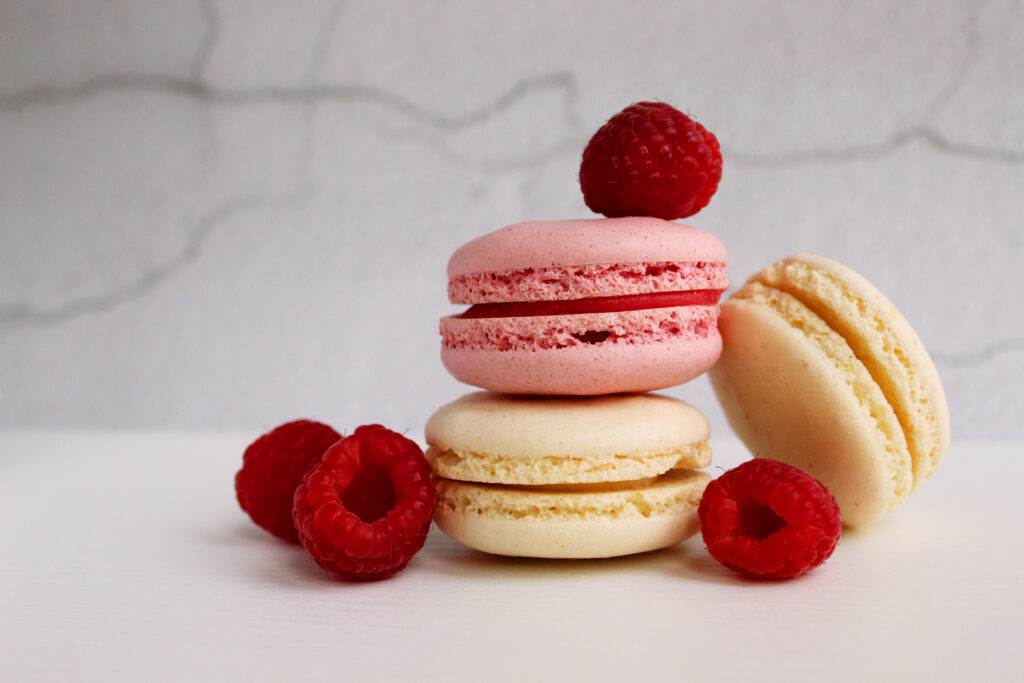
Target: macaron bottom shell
(586, 369)
(553, 523)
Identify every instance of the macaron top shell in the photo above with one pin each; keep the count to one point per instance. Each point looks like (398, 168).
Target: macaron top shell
(583, 242)
(530, 427)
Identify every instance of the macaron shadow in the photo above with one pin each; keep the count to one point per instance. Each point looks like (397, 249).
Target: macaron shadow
(686, 559)
(700, 566)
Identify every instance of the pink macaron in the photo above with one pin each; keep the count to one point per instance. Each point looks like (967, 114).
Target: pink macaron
(585, 307)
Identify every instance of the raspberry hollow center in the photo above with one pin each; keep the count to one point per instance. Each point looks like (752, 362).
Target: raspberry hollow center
(759, 521)
(371, 494)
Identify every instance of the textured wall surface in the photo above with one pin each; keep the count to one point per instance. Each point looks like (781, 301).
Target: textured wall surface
(229, 214)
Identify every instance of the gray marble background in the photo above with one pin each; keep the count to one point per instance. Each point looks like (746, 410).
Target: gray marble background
(229, 214)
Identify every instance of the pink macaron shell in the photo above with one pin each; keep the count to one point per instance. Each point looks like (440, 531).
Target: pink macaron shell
(586, 370)
(553, 332)
(552, 283)
(637, 239)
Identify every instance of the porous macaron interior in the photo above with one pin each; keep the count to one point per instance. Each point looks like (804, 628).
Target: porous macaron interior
(882, 341)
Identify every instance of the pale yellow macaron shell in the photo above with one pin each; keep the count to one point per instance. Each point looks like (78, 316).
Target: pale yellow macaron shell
(555, 523)
(505, 439)
(883, 341)
(819, 370)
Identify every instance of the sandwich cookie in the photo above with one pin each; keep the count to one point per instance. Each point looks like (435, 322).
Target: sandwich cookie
(585, 307)
(568, 477)
(819, 370)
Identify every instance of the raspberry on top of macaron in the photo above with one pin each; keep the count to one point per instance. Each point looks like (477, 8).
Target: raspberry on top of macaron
(650, 159)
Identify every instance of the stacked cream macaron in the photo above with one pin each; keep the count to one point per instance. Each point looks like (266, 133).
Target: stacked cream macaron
(568, 477)
(566, 315)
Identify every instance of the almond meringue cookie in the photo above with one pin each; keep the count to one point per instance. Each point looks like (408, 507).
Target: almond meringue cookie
(568, 477)
(821, 371)
(585, 307)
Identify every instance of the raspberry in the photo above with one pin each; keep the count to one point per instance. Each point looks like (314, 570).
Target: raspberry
(650, 159)
(768, 520)
(273, 467)
(365, 510)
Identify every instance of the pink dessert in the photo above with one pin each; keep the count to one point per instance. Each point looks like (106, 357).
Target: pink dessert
(585, 307)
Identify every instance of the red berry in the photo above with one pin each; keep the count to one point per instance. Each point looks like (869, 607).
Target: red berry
(365, 510)
(273, 467)
(650, 159)
(768, 520)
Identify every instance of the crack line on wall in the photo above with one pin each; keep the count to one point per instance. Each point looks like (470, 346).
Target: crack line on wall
(307, 121)
(302, 96)
(310, 94)
(14, 315)
(208, 40)
(327, 93)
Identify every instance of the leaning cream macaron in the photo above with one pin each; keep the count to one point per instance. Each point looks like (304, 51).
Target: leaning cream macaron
(568, 477)
(821, 371)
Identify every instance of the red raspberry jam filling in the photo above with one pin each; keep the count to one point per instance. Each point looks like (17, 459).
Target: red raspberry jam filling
(602, 304)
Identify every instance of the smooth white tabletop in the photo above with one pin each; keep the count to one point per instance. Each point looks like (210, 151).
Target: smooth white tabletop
(126, 557)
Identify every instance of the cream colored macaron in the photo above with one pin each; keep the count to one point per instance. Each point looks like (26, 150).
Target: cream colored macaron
(821, 371)
(568, 477)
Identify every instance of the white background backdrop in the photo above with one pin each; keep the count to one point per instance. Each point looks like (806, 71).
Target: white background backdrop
(231, 214)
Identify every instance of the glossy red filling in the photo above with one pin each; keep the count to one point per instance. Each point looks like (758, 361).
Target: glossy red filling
(601, 304)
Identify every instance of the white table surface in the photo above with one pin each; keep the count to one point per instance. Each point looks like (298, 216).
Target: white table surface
(126, 557)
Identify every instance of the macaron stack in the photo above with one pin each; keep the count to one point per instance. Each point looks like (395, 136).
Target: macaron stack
(568, 477)
(570, 321)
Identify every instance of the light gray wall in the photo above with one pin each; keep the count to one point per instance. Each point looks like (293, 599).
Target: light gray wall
(229, 214)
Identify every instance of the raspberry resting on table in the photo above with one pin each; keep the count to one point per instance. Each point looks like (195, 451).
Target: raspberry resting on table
(769, 520)
(365, 510)
(650, 159)
(273, 467)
